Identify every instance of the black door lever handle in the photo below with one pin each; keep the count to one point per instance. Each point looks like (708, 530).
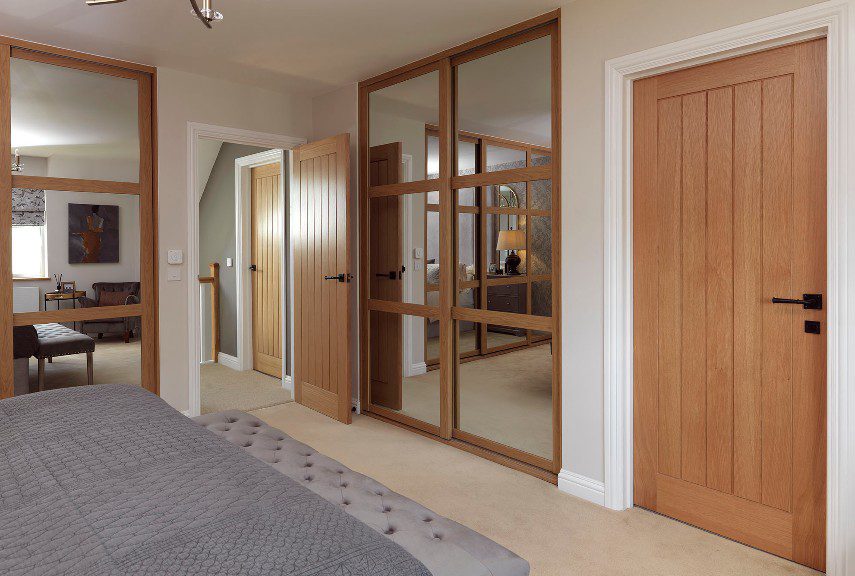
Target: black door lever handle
(340, 277)
(808, 301)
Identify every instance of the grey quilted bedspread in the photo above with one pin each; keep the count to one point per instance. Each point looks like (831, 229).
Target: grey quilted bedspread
(109, 480)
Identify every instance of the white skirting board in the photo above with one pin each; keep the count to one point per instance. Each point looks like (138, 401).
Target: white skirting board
(582, 487)
(228, 361)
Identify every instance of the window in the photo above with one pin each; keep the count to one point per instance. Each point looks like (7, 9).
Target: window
(28, 252)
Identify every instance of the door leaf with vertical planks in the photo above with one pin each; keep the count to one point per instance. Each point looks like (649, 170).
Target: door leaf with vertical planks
(728, 213)
(320, 207)
(267, 224)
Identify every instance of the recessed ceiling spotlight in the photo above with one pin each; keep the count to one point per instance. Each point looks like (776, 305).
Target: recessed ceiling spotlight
(206, 14)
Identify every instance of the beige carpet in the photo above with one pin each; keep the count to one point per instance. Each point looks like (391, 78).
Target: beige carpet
(225, 389)
(558, 534)
(468, 343)
(506, 398)
(113, 362)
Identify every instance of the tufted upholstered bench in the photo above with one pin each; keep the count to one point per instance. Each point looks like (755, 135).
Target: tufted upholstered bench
(58, 340)
(445, 547)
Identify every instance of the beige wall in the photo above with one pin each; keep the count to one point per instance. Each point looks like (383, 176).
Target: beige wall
(184, 98)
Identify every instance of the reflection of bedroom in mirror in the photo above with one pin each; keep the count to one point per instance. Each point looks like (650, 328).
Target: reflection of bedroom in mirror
(500, 230)
(77, 210)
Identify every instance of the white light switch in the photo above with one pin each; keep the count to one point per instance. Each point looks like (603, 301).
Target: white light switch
(417, 266)
(229, 263)
(417, 253)
(173, 275)
(175, 257)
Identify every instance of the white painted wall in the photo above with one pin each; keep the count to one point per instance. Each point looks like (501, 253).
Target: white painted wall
(184, 97)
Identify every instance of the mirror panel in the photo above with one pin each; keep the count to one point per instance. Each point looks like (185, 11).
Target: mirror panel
(504, 158)
(400, 378)
(402, 113)
(506, 237)
(69, 123)
(403, 248)
(541, 298)
(539, 254)
(507, 397)
(507, 96)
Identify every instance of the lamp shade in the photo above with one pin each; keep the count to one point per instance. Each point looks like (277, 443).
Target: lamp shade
(511, 240)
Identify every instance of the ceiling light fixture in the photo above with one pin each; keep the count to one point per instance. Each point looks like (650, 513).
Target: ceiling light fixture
(206, 14)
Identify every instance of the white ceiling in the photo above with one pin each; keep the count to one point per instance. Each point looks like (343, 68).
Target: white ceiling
(309, 46)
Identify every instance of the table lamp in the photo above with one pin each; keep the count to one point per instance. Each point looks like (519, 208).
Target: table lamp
(511, 240)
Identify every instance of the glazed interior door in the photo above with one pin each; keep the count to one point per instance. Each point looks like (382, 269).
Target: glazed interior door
(729, 212)
(320, 196)
(386, 278)
(267, 224)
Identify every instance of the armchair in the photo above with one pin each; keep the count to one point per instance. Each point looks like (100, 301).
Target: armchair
(113, 294)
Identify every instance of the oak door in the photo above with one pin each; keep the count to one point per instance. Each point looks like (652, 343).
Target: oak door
(320, 196)
(267, 222)
(729, 212)
(386, 260)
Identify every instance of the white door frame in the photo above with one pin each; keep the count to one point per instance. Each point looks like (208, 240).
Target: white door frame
(834, 21)
(195, 132)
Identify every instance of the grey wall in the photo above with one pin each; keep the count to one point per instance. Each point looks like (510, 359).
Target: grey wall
(217, 242)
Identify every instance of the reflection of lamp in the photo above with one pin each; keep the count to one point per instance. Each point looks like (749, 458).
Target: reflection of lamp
(511, 240)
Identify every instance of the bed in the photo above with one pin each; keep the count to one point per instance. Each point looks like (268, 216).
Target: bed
(109, 479)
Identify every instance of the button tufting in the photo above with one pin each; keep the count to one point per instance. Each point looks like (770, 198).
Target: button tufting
(390, 531)
(226, 429)
(428, 520)
(386, 509)
(247, 444)
(346, 502)
(343, 484)
(308, 478)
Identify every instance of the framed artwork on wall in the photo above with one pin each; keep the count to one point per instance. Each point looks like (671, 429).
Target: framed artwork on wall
(93, 234)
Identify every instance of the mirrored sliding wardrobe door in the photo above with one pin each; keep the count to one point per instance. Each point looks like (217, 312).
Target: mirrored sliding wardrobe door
(401, 248)
(78, 254)
(460, 247)
(506, 369)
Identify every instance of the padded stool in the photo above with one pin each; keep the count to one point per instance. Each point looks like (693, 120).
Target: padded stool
(58, 340)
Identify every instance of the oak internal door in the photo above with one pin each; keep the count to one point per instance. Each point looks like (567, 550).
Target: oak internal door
(320, 207)
(386, 278)
(729, 212)
(267, 222)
